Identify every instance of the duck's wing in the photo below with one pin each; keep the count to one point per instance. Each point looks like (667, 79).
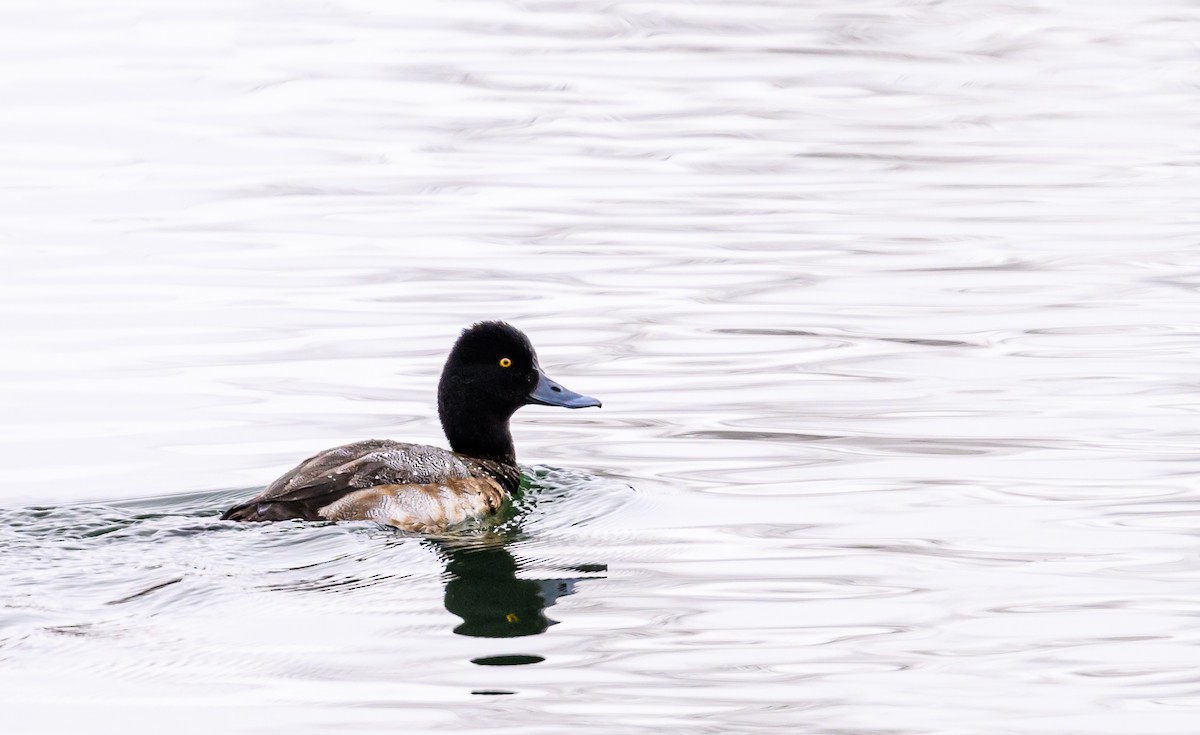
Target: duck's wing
(327, 477)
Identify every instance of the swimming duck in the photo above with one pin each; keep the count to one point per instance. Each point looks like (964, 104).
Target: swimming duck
(491, 371)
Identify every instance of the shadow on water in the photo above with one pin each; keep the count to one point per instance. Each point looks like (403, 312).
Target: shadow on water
(484, 590)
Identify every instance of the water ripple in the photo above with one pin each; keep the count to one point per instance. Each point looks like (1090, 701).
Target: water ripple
(891, 307)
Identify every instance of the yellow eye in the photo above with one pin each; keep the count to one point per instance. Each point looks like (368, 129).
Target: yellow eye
(505, 362)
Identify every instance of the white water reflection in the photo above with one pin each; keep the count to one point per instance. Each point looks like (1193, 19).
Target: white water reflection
(891, 306)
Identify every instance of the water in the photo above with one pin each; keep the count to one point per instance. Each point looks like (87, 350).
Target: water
(891, 306)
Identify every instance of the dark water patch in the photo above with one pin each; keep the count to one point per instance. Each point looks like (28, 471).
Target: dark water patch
(927, 342)
(149, 590)
(515, 659)
(774, 436)
(492, 692)
(769, 332)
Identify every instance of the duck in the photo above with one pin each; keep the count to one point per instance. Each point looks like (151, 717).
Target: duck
(492, 370)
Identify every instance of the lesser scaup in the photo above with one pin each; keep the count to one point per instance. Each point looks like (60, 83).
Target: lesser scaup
(491, 371)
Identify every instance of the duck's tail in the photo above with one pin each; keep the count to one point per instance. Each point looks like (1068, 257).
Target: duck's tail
(242, 512)
(255, 511)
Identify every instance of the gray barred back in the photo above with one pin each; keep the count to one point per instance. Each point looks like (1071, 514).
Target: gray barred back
(371, 462)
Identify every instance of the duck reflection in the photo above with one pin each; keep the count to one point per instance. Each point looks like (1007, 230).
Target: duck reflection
(483, 589)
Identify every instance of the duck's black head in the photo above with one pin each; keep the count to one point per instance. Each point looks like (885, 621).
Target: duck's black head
(490, 373)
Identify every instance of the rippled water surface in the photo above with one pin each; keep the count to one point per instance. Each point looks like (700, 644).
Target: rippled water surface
(892, 306)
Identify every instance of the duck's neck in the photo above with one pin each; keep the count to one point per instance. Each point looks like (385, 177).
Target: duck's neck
(483, 435)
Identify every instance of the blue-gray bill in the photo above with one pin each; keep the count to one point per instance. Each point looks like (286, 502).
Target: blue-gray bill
(549, 393)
